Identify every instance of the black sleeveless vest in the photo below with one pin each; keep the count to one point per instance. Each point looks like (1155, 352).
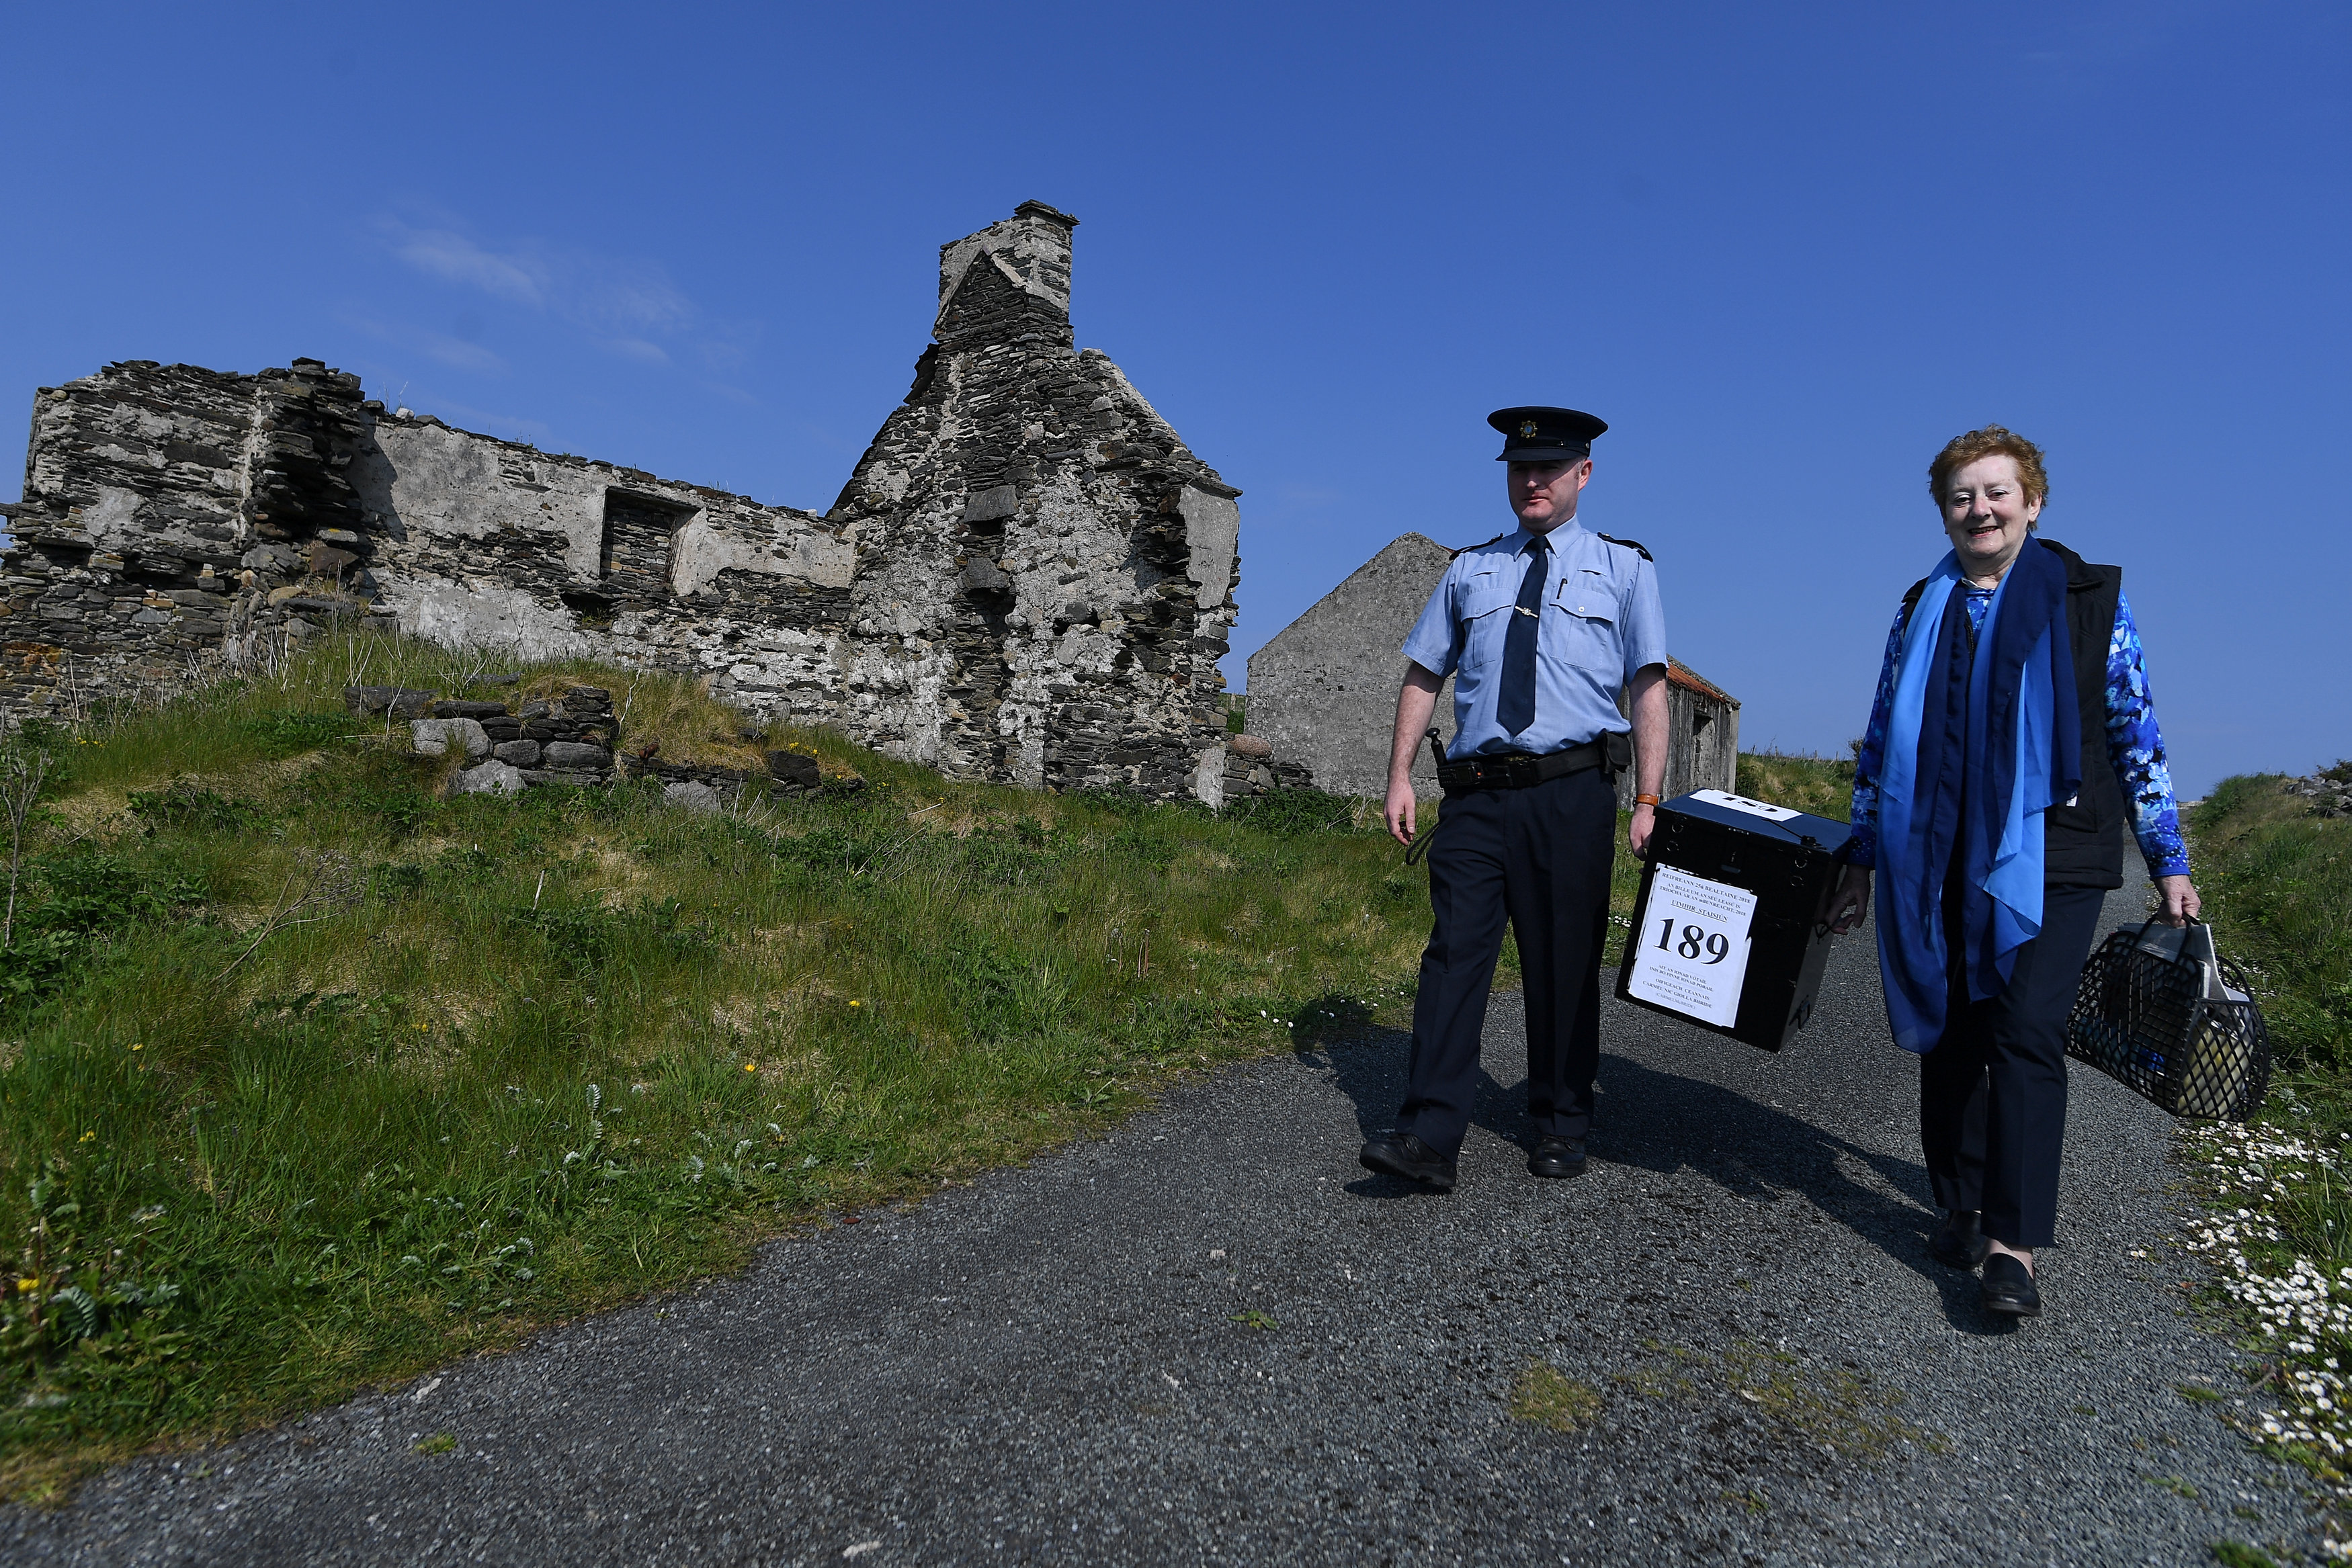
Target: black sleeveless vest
(2082, 843)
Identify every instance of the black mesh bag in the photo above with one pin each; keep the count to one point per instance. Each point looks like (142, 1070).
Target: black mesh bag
(2161, 1011)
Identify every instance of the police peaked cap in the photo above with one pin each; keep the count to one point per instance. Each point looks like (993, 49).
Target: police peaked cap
(1545, 435)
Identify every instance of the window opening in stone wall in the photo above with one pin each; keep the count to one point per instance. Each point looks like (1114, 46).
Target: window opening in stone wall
(634, 561)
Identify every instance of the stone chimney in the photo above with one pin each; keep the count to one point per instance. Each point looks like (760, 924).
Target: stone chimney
(1031, 249)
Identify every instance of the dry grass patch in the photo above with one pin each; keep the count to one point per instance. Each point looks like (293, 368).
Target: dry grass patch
(1546, 1396)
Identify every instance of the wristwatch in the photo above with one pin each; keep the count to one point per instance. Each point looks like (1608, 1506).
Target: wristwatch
(1645, 801)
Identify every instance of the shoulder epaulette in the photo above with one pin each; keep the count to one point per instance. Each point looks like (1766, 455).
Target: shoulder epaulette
(1634, 544)
(1466, 549)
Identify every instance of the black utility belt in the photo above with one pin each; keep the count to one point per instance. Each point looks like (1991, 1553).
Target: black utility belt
(1524, 769)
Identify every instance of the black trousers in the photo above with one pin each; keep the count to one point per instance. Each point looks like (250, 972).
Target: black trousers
(1992, 1093)
(1539, 857)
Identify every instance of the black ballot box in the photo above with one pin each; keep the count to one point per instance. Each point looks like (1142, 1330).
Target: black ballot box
(1728, 930)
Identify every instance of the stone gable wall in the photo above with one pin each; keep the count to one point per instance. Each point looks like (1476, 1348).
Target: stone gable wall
(1028, 576)
(1323, 690)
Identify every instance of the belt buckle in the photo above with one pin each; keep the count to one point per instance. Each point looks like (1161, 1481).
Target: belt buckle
(1519, 771)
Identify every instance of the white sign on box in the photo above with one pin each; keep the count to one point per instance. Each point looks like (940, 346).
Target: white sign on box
(1691, 954)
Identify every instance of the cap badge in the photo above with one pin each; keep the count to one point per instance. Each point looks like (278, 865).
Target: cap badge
(1526, 428)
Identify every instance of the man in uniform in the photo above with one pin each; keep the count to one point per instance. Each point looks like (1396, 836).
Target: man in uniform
(1540, 629)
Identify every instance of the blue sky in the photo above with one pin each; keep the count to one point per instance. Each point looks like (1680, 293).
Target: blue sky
(1786, 251)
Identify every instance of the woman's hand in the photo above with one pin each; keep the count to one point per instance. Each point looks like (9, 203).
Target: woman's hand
(2182, 904)
(1851, 902)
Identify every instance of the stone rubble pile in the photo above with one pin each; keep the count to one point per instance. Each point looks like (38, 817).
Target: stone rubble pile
(1252, 769)
(570, 741)
(2329, 790)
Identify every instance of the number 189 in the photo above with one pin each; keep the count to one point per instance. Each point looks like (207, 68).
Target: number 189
(1695, 940)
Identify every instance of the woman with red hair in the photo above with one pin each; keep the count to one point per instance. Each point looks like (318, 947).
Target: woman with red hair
(2012, 738)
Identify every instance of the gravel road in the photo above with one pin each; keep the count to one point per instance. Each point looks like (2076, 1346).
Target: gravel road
(1211, 1337)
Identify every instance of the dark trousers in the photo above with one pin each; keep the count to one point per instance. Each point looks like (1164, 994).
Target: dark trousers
(1992, 1093)
(1539, 857)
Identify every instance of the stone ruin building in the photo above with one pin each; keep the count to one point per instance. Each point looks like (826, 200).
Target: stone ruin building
(1323, 692)
(1028, 578)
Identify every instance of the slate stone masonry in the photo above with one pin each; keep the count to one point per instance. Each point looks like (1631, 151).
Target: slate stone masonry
(1028, 576)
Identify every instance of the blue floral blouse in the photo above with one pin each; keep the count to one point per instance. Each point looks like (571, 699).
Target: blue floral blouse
(2134, 746)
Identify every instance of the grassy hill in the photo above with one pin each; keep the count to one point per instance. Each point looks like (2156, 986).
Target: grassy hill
(310, 1078)
(2277, 883)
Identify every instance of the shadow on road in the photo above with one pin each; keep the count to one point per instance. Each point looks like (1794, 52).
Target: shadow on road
(1667, 1123)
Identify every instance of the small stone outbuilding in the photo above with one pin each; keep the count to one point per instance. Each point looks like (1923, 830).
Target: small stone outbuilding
(1323, 692)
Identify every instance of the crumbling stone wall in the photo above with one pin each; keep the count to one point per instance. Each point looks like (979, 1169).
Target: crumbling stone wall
(1028, 576)
(1048, 569)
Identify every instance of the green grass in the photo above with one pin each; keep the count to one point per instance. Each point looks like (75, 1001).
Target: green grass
(1546, 1396)
(2278, 886)
(1824, 786)
(310, 1079)
(1843, 1409)
(2237, 1554)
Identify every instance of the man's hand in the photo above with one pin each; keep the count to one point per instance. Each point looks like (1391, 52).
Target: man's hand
(1638, 836)
(1400, 807)
(2182, 904)
(1851, 902)
(1416, 700)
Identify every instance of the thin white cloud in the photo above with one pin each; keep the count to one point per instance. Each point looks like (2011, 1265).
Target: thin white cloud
(639, 349)
(455, 352)
(629, 297)
(450, 256)
(626, 303)
(458, 355)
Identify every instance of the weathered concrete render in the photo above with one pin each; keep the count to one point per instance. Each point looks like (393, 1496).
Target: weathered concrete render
(1322, 692)
(1028, 576)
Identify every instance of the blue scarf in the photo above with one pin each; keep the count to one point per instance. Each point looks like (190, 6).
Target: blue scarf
(1980, 741)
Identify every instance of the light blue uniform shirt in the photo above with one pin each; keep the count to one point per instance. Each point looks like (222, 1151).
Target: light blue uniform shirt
(1600, 621)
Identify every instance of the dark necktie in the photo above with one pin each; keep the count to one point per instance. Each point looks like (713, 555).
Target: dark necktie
(1515, 704)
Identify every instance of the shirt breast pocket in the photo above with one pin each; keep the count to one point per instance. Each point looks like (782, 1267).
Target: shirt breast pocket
(1488, 599)
(1580, 626)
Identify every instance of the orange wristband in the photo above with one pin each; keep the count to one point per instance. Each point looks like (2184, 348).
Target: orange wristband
(1645, 801)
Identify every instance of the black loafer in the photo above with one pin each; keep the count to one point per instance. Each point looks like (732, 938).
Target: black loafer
(2009, 1288)
(1961, 1242)
(1557, 1156)
(1402, 1154)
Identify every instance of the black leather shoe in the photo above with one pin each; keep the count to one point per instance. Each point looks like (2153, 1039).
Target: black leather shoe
(1557, 1156)
(2009, 1288)
(1402, 1154)
(1960, 1242)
